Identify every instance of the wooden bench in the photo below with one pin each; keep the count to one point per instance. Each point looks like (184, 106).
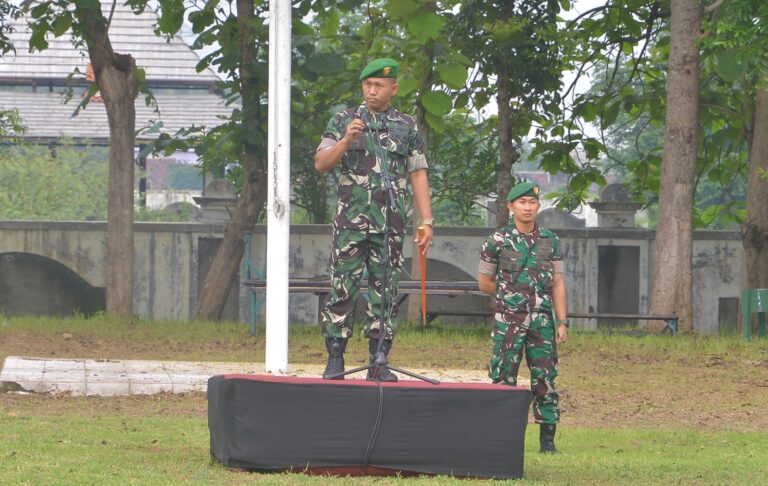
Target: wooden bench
(318, 286)
(322, 286)
(670, 320)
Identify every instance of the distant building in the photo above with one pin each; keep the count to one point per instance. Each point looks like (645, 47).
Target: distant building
(34, 84)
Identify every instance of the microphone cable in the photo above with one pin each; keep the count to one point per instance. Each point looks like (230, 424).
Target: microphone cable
(376, 426)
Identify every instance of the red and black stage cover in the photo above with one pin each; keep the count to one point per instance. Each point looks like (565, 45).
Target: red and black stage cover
(269, 423)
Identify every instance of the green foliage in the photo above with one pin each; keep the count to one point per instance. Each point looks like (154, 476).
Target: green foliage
(8, 11)
(453, 74)
(66, 183)
(171, 17)
(627, 104)
(11, 124)
(164, 215)
(611, 42)
(517, 54)
(437, 103)
(634, 147)
(220, 149)
(736, 43)
(57, 183)
(449, 212)
(733, 62)
(333, 40)
(464, 156)
(453, 56)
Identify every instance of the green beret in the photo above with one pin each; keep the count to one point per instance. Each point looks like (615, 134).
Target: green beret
(380, 68)
(523, 189)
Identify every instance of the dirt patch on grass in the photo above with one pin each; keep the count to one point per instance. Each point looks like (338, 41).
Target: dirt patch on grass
(78, 346)
(600, 386)
(712, 392)
(185, 404)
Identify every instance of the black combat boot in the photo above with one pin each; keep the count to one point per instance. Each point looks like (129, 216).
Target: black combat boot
(336, 348)
(547, 438)
(379, 373)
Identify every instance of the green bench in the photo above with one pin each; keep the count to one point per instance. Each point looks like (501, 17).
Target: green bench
(754, 301)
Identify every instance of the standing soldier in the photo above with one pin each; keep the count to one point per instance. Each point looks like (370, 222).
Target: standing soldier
(376, 150)
(521, 266)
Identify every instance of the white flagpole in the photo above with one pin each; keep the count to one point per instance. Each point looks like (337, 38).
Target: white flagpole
(279, 176)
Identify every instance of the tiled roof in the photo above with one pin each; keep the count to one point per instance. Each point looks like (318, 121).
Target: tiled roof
(47, 118)
(33, 82)
(129, 33)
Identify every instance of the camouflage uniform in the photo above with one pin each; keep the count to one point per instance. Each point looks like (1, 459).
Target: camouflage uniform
(390, 138)
(523, 265)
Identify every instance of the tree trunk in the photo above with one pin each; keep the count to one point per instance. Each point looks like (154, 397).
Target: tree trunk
(671, 290)
(115, 75)
(507, 154)
(253, 195)
(755, 229)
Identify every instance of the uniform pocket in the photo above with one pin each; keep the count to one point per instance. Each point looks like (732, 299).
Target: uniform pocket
(358, 162)
(545, 273)
(398, 140)
(510, 260)
(357, 144)
(545, 249)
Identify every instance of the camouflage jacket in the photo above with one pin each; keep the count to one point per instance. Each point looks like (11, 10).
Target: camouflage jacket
(390, 140)
(523, 265)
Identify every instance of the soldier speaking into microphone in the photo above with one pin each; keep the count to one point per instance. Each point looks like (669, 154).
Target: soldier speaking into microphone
(376, 150)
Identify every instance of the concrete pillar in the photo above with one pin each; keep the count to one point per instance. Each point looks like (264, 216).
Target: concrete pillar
(218, 201)
(615, 208)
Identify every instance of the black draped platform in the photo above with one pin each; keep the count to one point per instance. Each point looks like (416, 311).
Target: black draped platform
(269, 423)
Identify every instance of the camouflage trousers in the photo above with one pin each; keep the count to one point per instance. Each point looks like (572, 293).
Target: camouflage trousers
(535, 333)
(353, 251)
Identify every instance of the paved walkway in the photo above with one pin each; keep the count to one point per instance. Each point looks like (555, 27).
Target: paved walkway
(137, 377)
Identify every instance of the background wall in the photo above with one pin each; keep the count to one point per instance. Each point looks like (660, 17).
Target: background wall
(607, 269)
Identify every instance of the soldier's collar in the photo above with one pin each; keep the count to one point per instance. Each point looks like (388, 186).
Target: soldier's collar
(364, 109)
(516, 231)
(366, 114)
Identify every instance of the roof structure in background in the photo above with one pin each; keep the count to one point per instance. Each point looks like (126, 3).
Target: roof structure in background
(34, 82)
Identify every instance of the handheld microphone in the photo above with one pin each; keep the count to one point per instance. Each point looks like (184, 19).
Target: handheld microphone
(367, 118)
(358, 115)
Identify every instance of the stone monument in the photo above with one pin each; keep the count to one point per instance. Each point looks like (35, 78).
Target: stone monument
(218, 200)
(615, 208)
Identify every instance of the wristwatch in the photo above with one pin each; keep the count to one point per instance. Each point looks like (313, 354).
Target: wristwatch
(428, 221)
(563, 322)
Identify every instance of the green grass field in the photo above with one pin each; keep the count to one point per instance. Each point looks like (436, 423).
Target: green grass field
(636, 410)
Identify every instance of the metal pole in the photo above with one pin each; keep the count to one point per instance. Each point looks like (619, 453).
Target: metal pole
(279, 173)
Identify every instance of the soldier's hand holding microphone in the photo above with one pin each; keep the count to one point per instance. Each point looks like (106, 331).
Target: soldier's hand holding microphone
(354, 129)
